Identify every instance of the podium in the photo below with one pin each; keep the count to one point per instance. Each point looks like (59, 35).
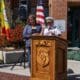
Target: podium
(48, 58)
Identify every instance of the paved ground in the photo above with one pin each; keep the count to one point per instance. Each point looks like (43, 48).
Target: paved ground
(73, 69)
(19, 70)
(9, 76)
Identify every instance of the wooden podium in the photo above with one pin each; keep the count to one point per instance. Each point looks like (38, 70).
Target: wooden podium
(49, 58)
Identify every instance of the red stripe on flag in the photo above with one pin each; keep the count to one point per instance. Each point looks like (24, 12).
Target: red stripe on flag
(40, 16)
(40, 10)
(5, 32)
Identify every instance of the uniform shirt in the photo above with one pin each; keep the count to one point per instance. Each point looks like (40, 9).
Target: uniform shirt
(51, 31)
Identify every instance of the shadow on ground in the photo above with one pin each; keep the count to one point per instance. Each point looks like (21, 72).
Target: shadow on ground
(72, 76)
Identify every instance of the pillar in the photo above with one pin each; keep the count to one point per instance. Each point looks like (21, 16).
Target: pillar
(58, 10)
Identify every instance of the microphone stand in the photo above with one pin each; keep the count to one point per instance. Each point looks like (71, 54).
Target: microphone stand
(23, 57)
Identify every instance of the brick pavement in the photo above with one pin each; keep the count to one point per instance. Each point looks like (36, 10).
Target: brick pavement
(8, 76)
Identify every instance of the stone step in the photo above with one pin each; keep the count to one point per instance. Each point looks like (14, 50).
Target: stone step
(11, 56)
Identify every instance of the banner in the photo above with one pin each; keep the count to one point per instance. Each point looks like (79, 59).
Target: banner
(5, 27)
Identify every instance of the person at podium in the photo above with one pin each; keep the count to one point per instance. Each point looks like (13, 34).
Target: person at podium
(50, 29)
(30, 29)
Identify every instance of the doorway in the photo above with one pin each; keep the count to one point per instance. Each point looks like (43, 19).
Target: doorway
(73, 26)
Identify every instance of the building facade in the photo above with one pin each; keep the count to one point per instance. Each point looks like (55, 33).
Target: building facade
(65, 12)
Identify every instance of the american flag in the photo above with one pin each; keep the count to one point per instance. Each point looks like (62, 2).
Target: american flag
(40, 13)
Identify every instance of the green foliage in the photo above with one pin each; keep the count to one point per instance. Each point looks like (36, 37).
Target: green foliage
(73, 55)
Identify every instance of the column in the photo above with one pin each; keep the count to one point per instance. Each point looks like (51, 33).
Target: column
(58, 10)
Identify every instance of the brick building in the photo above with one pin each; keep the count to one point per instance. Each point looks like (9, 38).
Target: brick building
(66, 12)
